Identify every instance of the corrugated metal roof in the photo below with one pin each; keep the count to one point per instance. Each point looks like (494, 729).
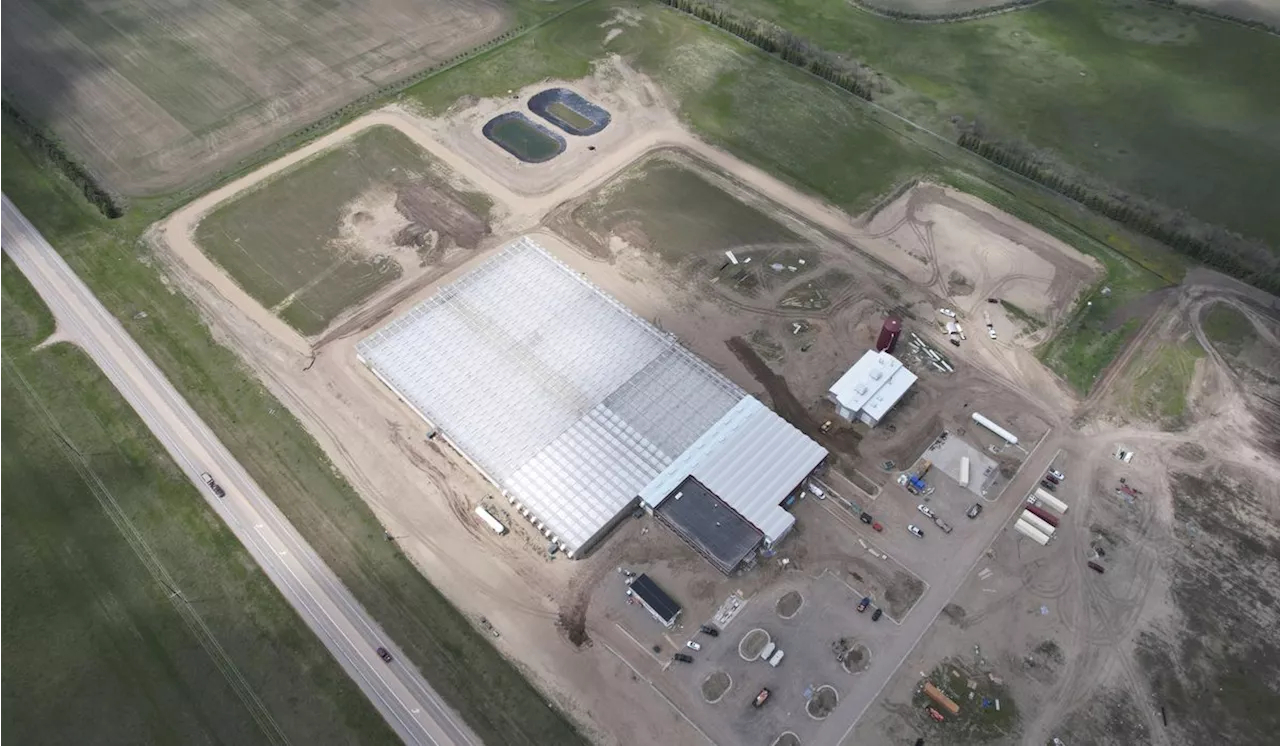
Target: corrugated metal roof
(751, 459)
(873, 384)
(554, 389)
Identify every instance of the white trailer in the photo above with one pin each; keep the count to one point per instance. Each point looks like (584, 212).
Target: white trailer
(964, 471)
(490, 521)
(1007, 436)
(1029, 531)
(1037, 523)
(1050, 501)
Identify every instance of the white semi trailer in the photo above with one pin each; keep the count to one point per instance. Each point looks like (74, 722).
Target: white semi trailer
(964, 471)
(1029, 531)
(1037, 523)
(1049, 501)
(1005, 435)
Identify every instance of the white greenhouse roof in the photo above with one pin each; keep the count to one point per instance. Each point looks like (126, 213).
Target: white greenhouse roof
(873, 385)
(751, 459)
(558, 393)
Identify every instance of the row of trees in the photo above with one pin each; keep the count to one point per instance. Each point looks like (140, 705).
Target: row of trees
(850, 75)
(107, 201)
(1227, 252)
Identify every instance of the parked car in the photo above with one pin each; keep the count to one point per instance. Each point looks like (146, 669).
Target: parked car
(863, 604)
(865, 518)
(877, 526)
(947, 312)
(915, 530)
(974, 511)
(991, 332)
(707, 629)
(693, 645)
(761, 698)
(217, 488)
(384, 655)
(946, 527)
(1048, 485)
(925, 509)
(875, 615)
(1057, 474)
(1053, 479)
(682, 658)
(1097, 568)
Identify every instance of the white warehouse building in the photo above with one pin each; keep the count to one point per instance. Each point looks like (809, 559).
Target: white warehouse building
(577, 409)
(868, 390)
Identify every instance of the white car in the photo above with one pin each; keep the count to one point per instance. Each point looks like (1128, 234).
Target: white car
(693, 645)
(1057, 474)
(991, 332)
(915, 530)
(925, 509)
(947, 312)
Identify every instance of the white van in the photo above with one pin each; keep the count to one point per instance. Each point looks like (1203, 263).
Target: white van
(776, 659)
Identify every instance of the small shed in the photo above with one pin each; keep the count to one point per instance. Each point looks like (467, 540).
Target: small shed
(660, 605)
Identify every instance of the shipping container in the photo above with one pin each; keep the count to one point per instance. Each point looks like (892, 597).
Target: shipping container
(1050, 501)
(942, 700)
(1029, 531)
(1037, 523)
(1043, 515)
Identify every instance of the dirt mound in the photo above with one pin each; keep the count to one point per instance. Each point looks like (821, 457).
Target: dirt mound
(854, 657)
(752, 643)
(431, 208)
(715, 685)
(822, 703)
(790, 603)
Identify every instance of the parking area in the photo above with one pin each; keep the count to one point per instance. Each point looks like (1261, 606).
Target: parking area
(947, 454)
(824, 642)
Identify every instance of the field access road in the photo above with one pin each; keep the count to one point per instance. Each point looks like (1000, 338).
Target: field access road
(397, 689)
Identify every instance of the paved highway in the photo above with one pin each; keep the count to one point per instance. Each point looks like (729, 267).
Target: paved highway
(399, 692)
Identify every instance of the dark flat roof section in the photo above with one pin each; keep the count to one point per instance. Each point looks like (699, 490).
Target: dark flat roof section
(655, 598)
(701, 518)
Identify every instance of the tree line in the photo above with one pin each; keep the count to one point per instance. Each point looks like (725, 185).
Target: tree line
(851, 75)
(1213, 246)
(108, 202)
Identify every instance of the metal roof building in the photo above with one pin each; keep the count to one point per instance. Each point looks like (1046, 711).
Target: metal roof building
(572, 404)
(869, 389)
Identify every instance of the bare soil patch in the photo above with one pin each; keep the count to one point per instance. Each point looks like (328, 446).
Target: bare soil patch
(789, 605)
(156, 96)
(823, 701)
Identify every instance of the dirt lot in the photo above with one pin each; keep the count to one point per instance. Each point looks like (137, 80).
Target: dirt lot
(159, 95)
(787, 338)
(1172, 644)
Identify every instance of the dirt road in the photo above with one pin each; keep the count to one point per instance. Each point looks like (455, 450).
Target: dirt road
(398, 690)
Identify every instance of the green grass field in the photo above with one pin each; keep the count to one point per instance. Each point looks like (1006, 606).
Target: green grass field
(97, 648)
(282, 242)
(1228, 329)
(1161, 380)
(489, 693)
(677, 214)
(1160, 103)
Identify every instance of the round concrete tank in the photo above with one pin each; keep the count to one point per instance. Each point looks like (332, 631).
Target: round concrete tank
(888, 338)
